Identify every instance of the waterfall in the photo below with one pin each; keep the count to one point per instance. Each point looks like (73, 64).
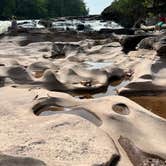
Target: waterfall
(4, 25)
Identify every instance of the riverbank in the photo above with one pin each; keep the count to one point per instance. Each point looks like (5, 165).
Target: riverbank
(83, 98)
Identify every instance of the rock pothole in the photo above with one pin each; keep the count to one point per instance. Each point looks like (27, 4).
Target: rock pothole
(121, 108)
(48, 110)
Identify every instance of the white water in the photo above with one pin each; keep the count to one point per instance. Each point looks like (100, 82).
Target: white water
(93, 25)
(4, 25)
(30, 24)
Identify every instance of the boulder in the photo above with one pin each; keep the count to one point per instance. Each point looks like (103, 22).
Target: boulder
(80, 27)
(157, 43)
(46, 23)
(160, 46)
(147, 43)
(129, 42)
(111, 14)
(62, 49)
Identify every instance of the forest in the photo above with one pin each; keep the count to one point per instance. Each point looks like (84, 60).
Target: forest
(128, 12)
(34, 9)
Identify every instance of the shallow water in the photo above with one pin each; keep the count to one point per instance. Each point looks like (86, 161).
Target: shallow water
(155, 104)
(53, 110)
(108, 91)
(112, 88)
(97, 65)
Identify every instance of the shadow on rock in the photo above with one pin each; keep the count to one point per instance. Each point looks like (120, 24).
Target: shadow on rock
(6, 160)
(139, 157)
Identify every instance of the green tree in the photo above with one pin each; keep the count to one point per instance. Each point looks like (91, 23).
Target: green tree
(155, 6)
(54, 8)
(32, 9)
(129, 12)
(7, 7)
(74, 8)
(66, 8)
(125, 12)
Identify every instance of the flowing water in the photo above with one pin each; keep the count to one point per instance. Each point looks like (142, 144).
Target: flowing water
(4, 25)
(93, 25)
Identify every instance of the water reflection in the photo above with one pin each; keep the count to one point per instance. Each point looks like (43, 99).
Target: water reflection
(53, 110)
(107, 91)
(97, 65)
(112, 88)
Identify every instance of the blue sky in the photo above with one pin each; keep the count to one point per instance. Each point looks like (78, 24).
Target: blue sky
(97, 6)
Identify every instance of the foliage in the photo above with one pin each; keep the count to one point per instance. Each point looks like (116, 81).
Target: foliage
(128, 12)
(66, 8)
(6, 7)
(30, 9)
(156, 6)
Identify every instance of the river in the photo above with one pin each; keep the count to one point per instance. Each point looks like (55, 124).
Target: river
(91, 25)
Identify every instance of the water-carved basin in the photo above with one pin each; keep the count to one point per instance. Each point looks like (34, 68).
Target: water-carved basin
(121, 109)
(108, 91)
(54, 110)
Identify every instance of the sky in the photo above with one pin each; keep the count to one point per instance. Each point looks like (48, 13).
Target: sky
(97, 6)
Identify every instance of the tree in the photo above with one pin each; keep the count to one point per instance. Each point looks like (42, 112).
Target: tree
(30, 9)
(6, 8)
(127, 12)
(74, 8)
(155, 6)
(66, 8)
(33, 9)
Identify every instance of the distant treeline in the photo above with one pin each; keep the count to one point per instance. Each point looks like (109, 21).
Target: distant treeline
(33, 9)
(128, 12)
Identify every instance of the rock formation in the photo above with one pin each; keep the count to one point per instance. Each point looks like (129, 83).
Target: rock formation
(62, 99)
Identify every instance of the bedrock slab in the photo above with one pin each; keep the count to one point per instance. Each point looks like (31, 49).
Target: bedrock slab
(62, 139)
(42, 137)
(56, 129)
(149, 79)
